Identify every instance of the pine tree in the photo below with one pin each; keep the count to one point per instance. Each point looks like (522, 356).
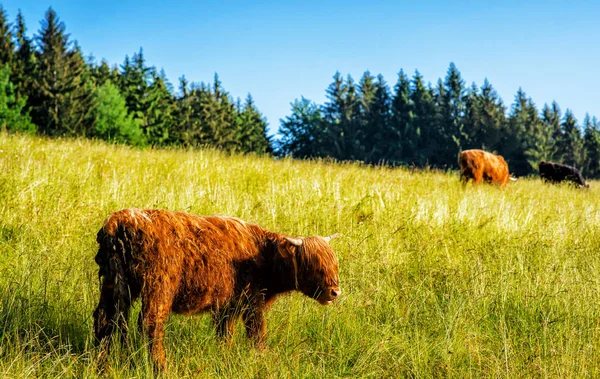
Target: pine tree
(12, 117)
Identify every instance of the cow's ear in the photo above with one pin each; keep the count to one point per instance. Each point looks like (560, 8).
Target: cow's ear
(294, 241)
(329, 238)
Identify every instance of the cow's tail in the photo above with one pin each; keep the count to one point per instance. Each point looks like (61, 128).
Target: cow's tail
(115, 296)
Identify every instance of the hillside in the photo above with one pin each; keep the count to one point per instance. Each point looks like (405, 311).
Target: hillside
(436, 279)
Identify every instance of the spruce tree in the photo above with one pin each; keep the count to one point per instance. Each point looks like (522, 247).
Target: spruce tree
(484, 118)
(367, 134)
(472, 133)
(7, 47)
(252, 129)
(493, 117)
(423, 130)
(522, 137)
(103, 73)
(134, 82)
(62, 96)
(402, 138)
(302, 132)
(160, 110)
(334, 119)
(221, 117)
(452, 110)
(440, 141)
(379, 147)
(551, 116)
(591, 144)
(81, 99)
(24, 63)
(571, 143)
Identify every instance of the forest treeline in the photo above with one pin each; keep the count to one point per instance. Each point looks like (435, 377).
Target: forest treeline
(48, 87)
(422, 125)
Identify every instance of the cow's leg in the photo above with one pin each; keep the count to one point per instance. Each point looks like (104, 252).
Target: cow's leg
(255, 323)
(156, 307)
(464, 179)
(225, 324)
(477, 177)
(111, 313)
(104, 318)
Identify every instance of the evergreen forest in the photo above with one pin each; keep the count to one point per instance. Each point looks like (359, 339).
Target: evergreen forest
(48, 87)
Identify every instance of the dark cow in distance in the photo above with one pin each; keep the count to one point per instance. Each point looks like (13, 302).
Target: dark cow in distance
(557, 172)
(183, 263)
(481, 165)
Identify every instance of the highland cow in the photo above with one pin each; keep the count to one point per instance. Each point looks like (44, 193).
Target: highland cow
(183, 263)
(557, 172)
(480, 165)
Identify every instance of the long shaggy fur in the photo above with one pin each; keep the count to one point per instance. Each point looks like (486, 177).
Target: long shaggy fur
(558, 172)
(182, 263)
(480, 165)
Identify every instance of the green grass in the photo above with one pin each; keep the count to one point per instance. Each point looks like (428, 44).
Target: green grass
(437, 280)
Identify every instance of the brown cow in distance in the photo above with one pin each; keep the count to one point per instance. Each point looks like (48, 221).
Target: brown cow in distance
(183, 263)
(480, 165)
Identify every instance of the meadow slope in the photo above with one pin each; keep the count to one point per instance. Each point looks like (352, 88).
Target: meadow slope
(437, 280)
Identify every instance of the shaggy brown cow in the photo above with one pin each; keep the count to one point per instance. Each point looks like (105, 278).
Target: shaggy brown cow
(182, 263)
(480, 165)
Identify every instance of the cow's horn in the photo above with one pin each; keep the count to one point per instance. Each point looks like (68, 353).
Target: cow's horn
(329, 238)
(294, 241)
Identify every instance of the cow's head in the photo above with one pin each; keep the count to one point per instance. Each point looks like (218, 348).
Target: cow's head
(317, 268)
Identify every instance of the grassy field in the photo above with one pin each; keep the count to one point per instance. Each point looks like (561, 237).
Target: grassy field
(437, 280)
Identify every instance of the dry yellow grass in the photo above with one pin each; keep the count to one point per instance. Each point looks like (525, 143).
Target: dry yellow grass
(437, 280)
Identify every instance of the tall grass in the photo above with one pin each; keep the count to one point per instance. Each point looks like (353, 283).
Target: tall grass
(437, 280)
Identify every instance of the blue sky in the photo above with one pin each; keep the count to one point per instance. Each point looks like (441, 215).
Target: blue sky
(281, 50)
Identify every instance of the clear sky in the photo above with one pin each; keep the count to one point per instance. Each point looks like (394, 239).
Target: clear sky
(281, 50)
